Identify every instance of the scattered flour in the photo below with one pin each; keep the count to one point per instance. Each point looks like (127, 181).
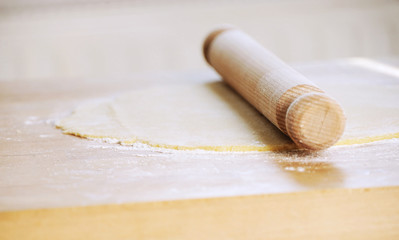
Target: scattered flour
(34, 120)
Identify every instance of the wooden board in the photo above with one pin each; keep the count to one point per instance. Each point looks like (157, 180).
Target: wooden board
(59, 186)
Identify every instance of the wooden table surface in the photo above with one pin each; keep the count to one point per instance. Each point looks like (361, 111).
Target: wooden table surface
(54, 185)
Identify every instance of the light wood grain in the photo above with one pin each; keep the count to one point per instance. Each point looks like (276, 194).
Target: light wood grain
(58, 186)
(312, 119)
(330, 214)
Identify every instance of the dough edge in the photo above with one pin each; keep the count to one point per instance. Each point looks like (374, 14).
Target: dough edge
(226, 148)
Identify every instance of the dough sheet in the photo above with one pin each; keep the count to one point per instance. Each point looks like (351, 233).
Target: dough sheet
(212, 116)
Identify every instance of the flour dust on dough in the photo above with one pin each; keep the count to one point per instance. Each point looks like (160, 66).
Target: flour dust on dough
(211, 116)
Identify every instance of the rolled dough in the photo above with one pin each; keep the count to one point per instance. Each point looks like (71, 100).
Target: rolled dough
(211, 116)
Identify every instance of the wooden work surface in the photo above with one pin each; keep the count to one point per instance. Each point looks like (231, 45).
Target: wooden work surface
(41, 168)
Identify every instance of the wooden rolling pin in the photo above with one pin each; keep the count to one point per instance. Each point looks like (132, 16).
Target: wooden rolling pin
(289, 100)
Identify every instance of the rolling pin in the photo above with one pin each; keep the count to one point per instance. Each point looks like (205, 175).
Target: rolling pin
(301, 110)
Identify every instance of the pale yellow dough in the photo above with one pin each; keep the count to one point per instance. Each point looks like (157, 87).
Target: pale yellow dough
(211, 116)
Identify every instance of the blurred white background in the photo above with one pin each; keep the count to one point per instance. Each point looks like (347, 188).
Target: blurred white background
(56, 40)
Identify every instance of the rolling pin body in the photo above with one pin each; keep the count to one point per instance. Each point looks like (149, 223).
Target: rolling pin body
(289, 100)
